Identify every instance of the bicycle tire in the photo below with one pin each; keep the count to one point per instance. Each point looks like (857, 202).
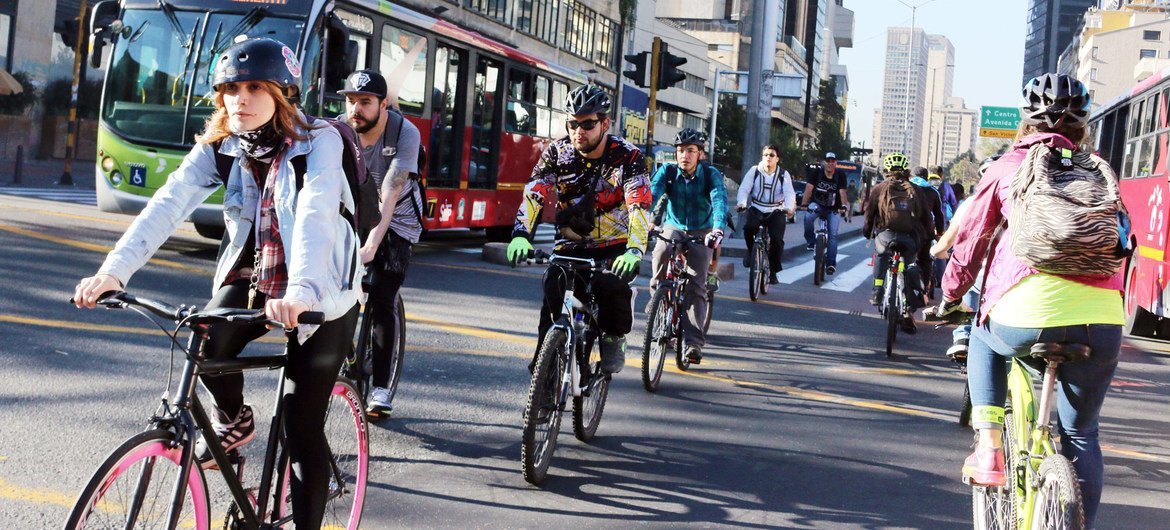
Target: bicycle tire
(358, 366)
(653, 343)
(892, 312)
(396, 354)
(765, 268)
(819, 260)
(1058, 497)
(587, 409)
(137, 460)
(680, 361)
(710, 311)
(346, 430)
(965, 411)
(1011, 462)
(755, 275)
(536, 451)
(993, 508)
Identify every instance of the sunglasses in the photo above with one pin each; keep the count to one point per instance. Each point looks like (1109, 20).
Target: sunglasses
(588, 125)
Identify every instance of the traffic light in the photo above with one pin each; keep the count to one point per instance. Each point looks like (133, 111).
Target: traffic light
(638, 74)
(668, 72)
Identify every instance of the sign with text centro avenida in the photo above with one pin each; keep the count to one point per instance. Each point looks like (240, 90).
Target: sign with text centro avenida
(998, 122)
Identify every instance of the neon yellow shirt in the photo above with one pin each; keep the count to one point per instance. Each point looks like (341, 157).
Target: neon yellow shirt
(1045, 301)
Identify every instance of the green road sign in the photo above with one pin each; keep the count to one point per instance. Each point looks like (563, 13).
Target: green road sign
(1003, 118)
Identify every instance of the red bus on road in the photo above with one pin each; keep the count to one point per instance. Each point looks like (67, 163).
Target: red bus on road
(1131, 132)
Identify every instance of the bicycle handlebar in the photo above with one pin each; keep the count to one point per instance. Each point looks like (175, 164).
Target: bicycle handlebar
(190, 316)
(657, 234)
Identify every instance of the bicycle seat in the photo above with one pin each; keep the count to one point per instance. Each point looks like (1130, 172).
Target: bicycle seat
(1061, 352)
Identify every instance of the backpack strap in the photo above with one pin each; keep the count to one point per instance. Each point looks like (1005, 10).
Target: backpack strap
(223, 163)
(410, 194)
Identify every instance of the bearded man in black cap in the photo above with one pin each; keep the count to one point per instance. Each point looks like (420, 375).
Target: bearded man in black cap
(390, 150)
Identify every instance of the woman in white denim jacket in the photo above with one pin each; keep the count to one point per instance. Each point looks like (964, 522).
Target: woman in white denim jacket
(288, 250)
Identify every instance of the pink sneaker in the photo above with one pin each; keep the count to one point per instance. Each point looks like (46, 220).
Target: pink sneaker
(984, 467)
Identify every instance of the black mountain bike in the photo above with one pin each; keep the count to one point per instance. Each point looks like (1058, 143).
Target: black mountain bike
(894, 300)
(820, 246)
(359, 364)
(667, 308)
(152, 480)
(758, 267)
(568, 365)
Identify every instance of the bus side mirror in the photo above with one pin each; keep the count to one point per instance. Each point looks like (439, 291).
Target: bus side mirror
(104, 26)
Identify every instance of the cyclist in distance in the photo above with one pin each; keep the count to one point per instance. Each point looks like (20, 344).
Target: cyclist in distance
(603, 212)
(768, 189)
(1022, 306)
(896, 218)
(694, 201)
(390, 146)
(826, 192)
(933, 199)
(286, 250)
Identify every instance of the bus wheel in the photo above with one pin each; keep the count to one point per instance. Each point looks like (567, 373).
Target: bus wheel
(1138, 321)
(209, 231)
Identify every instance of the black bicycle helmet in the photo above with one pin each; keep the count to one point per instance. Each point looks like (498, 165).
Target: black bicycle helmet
(259, 59)
(1053, 100)
(691, 136)
(587, 99)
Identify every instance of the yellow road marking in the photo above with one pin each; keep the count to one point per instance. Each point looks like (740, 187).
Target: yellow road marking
(98, 248)
(886, 371)
(1133, 454)
(37, 495)
(89, 218)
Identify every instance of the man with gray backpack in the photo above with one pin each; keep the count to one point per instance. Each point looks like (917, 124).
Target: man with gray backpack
(897, 219)
(391, 153)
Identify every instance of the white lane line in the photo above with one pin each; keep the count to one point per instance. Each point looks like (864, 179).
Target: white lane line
(792, 274)
(851, 279)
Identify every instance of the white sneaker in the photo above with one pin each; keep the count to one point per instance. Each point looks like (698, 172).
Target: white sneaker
(379, 402)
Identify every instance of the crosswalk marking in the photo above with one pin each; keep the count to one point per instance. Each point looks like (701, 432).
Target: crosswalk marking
(804, 269)
(87, 197)
(851, 279)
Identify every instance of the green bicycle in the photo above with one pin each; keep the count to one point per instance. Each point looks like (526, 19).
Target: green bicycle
(1041, 490)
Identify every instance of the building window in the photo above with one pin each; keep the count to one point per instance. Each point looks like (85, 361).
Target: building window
(1093, 74)
(1152, 35)
(540, 18)
(1147, 53)
(5, 42)
(1095, 48)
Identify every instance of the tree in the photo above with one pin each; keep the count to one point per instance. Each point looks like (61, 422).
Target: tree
(830, 123)
(728, 148)
(792, 157)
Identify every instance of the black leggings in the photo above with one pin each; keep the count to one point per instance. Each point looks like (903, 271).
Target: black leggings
(382, 292)
(312, 369)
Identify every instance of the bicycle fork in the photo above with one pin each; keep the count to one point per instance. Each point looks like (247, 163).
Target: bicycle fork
(571, 378)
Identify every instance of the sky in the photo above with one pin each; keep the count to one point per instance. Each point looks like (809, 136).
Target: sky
(988, 36)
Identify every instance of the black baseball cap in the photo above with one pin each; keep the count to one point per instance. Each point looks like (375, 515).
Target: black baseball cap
(830, 156)
(365, 82)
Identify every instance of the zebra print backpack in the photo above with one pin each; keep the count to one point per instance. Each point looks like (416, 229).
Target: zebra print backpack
(1066, 213)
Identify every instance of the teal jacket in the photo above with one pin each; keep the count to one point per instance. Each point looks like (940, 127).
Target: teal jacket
(695, 203)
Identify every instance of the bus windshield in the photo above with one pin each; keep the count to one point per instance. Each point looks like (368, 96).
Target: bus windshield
(151, 69)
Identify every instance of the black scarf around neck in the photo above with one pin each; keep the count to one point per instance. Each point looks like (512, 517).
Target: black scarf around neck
(259, 144)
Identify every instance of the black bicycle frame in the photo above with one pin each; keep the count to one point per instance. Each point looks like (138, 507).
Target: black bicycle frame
(189, 414)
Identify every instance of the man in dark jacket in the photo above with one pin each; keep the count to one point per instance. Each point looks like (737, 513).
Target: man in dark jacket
(887, 239)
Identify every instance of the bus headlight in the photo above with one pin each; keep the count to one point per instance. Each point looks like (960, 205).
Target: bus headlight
(107, 164)
(115, 177)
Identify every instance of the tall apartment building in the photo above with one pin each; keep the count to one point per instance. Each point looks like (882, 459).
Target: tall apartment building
(1117, 48)
(1051, 26)
(903, 93)
(808, 36)
(940, 75)
(954, 130)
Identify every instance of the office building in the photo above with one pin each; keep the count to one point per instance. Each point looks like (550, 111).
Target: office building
(1051, 26)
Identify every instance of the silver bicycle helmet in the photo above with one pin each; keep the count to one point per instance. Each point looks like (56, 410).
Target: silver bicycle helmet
(587, 99)
(1055, 100)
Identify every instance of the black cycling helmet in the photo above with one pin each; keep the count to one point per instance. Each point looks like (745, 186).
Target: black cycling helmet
(260, 59)
(587, 99)
(1055, 100)
(691, 136)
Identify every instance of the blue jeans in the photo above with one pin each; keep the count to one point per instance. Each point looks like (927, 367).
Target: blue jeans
(1081, 388)
(834, 224)
(971, 299)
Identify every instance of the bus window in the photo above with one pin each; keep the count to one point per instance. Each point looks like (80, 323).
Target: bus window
(403, 62)
(1135, 121)
(1151, 110)
(542, 91)
(445, 155)
(520, 115)
(560, 91)
(481, 169)
(1145, 158)
(1127, 162)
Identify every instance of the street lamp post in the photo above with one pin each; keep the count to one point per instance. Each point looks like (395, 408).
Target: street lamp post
(909, 66)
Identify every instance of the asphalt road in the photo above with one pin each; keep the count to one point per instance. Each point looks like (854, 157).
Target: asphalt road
(795, 419)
